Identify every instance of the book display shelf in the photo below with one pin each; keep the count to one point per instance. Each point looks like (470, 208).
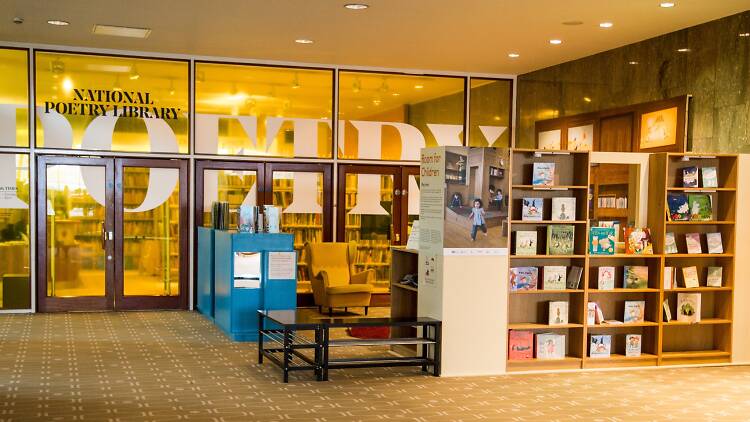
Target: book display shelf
(707, 338)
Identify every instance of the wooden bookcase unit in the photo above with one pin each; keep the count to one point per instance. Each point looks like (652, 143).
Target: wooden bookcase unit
(673, 343)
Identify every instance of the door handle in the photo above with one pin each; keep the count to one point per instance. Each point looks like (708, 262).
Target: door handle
(104, 237)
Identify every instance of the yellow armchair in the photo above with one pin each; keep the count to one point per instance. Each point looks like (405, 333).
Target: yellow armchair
(335, 283)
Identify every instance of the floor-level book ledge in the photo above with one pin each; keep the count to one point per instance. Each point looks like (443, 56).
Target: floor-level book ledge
(568, 362)
(618, 360)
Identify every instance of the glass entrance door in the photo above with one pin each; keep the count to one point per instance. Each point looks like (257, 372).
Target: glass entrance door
(112, 234)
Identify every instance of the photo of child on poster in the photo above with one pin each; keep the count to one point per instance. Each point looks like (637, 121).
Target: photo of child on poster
(476, 202)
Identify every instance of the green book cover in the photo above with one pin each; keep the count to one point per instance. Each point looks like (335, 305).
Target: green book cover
(635, 277)
(560, 239)
(700, 207)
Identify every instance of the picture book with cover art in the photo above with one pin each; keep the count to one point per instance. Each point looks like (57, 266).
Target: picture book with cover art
(690, 277)
(532, 209)
(693, 242)
(543, 174)
(523, 278)
(678, 207)
(700, 207)
(689, 307)
(632, 345)
(550, 346)
(638, 241)
(554, 277)
(669, 278)
(714, 277)
(573, 280)
(635, 277)
(563, 209)
(520, 345)
(606, 280)
(670, 243)
(560, 239)
(526, 243)
(709, 177)
(667, 311)
(601, 346)
(690, 177)
(591, 313)
(558, 313)
(714, 243)
(634, 311)
(602, 240)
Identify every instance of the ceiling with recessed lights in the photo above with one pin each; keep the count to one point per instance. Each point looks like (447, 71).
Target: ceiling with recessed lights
(483, 36)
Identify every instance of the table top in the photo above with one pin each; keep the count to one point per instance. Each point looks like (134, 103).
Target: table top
(295, 319)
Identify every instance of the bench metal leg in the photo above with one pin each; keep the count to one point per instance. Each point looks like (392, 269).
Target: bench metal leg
(260, 338)
(325, 353)
(287, 357)
(438, 348)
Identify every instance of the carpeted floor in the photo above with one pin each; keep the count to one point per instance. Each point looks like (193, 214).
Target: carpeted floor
(165, 366)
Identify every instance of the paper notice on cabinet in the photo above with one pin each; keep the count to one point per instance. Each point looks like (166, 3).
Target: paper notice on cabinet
(282, 265)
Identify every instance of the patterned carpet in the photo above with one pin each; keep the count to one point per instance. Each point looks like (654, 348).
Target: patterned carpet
(164, 366)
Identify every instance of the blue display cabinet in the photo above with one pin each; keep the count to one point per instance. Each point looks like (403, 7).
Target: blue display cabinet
(250, 274)
(205, 273)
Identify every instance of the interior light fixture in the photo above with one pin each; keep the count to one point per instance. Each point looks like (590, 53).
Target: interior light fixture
(356, 85)
(395, 94)
(745, 34)
(58, 22)
(121, 31)
(632, 62)
(666, 4)
(383, 86)
(57, 67)
(376, 102)
(295, 82)
(134, 75)
(587, 99)
(514, 55)
(356, 6)
(555, 41)
(116, 86)
(683, 50)
(171, 87)
(67, 84)
(418, 86)
(303, 41)
(606, 25)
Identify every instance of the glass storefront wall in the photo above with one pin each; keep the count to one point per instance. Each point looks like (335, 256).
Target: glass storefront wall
(14, 98)
(15, 290)
(490, 104)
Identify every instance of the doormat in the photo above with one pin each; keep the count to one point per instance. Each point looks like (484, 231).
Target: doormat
(369, 332)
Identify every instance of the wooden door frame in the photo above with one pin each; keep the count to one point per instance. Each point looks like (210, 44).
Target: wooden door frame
(406, 171)
(394, 171)
(56, 304)
(180, 301)
(306, 168)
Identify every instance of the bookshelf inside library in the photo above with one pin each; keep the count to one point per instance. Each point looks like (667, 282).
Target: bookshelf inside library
(705, 340)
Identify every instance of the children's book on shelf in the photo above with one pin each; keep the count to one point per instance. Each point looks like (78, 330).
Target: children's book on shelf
(563, 209)
(611, 223)
(543, 174)
(591, 313)
(526, 242)
(688, 307)
(560, 239)
(558, 312)
(573, 279)
(708, 174)
(715, 275)
(700, 207)
(693, 242)
(554, 277)
(606, 280)
(532, 209)
(523, 278)
(633, 345)
(678, 207)
(635, 277)
(690, 177)
(601, 346)
(670, 243)
(638, 241)
(714, 243)
(690, 277)
(602, 240)
(520, 345)
(669, 278)
(550, 346)
(634, 311)
(667, 311)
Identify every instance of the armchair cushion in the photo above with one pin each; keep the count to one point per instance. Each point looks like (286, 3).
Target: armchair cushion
(349, 288)
(364, 277)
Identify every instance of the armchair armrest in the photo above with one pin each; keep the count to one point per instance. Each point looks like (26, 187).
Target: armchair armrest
(322, 278)
(365, 277)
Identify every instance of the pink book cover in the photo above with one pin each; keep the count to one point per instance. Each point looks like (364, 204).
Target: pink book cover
(520, 345)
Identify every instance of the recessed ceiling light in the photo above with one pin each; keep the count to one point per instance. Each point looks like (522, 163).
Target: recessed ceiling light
(555, 42)
(58, 23)
(572, 23)
(745, 34)
(606, 25)
(67, 85)
(356, 6)
(121, 31)
(418, 86)
(303, 41)
(683, 50)
(666, 4)
(513, 55)
(632, 62)
(587, 99)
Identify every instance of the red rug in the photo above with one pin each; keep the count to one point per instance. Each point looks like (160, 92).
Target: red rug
(370, 332)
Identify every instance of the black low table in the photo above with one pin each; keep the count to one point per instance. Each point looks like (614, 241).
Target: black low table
(287, 343)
